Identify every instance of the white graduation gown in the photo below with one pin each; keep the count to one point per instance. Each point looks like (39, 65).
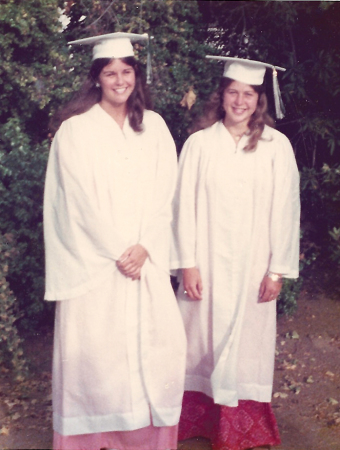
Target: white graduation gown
(236, 215)
(120, 345)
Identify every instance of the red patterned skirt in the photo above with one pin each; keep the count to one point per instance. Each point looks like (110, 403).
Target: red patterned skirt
(250, 424)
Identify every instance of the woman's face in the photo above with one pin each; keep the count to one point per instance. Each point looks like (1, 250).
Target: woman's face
(239, 103)
(117, 81)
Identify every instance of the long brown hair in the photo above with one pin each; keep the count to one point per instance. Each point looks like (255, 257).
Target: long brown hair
(213, 112)
(89, 94)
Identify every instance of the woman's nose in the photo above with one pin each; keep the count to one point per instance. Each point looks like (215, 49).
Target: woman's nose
(239, 99)
(119, 79)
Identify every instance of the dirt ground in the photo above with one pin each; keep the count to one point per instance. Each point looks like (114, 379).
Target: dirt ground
(306, 396)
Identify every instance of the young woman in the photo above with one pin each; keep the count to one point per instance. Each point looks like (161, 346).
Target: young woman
(119, 350)
(236, 235)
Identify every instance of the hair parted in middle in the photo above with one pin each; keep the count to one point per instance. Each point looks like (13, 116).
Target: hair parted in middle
(90, 93)
(213, 112)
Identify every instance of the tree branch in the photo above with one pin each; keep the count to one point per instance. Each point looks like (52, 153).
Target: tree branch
(103, 14)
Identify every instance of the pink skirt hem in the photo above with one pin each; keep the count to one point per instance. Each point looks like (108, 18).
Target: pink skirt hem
(155, 438)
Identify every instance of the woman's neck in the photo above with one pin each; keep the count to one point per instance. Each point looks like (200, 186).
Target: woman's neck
(237, 130)
(118, 113)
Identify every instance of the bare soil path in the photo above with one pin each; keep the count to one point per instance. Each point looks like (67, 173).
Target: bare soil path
(306, 396)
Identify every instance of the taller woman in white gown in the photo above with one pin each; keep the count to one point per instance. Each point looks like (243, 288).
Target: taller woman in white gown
(236, 235)
(119, 350)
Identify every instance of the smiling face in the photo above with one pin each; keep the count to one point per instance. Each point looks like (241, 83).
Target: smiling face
(117, 81)
(239, 103)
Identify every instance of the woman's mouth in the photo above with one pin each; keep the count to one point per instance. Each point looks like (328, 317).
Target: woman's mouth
(120, 90)
(238, 111)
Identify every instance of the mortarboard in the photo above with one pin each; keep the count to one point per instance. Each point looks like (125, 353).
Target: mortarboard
(252, 72)
(115, 45)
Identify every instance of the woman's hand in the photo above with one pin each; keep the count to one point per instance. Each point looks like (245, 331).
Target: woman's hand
(269, 289)
(132, 261)
(192, 283)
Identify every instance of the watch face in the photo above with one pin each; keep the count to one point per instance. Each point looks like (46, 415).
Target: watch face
(274, 276)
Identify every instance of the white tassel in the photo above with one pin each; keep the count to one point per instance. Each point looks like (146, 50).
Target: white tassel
(148, 64)
(279, 106)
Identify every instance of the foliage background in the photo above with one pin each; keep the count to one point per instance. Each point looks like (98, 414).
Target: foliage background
(39, 72)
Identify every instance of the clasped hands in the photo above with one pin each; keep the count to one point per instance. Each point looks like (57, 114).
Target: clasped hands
(192, 283)
(132, 260)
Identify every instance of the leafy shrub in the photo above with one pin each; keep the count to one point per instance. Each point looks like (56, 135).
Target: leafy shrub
(287, 300)
(335, 255)
(11, 353)
(320, 236)
(22, 174)
(331, 183)
(320, 192)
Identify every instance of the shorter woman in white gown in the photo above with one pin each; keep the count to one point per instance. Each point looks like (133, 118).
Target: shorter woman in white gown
(236, 235)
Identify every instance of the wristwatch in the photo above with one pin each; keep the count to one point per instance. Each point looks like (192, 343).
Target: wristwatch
(274, 276)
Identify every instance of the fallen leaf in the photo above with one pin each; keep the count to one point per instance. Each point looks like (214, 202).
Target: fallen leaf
(295, 388)
(19, 378)
(4, 430)
(16, 416)
(310, 379)
(280, 394)
(289, 365)
(329, 374)
(332, 401)
(10, 404)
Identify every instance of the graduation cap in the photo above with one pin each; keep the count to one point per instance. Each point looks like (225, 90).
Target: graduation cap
(252, 72)
(115, 45)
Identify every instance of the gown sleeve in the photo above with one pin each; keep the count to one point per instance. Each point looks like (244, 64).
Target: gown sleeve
(285, 214)
(184, 206)
(156, 234)
(78, 233)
